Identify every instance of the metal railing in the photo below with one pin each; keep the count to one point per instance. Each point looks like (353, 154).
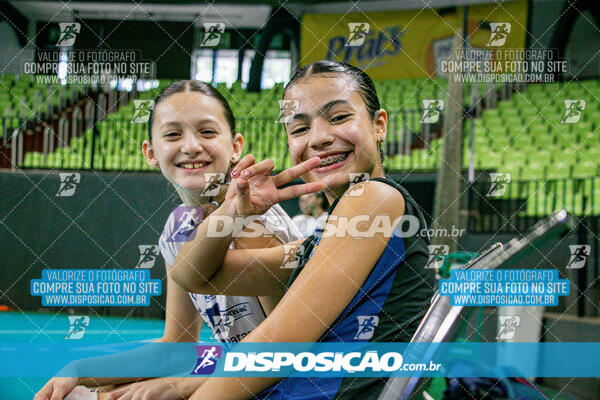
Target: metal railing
(93, 140)
(518, 205)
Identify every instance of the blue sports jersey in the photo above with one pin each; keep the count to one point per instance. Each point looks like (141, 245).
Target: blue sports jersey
(388, 308)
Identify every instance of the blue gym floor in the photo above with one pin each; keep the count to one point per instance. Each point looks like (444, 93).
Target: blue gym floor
(52, 328)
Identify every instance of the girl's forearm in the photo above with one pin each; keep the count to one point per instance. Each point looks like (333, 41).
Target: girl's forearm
(93, 382)
(199, 259)
(161, 361)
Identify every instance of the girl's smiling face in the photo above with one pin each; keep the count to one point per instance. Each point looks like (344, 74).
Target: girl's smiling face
(190, 138)
(332, 122)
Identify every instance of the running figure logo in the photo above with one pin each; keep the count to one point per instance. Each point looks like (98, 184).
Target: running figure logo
(357, 187)
(212, 34)
(507, 326)
(573, 110)
(500, 31)
(500, 181)
(221, 325)
(358, 33)
(366, 326)
(432, 109)
(287, 110)
(207, 359)
(291, 255)
(213, 180)
(220, 321)
(68, 183)
(77, 326)
(437, 252)
(142, 110)
(579, 255)
(68, 33)
(148, 254)
(186, 219)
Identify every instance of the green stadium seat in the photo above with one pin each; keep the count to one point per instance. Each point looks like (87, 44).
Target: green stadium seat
(522, 142)
(543, 142)
(538, 130)
(558, 171)
(533, 171)
(590, 154)
(585, 169)
(490, 160)
(590, 139)
(502, 143)
(541, 156)
(512, 167)
(496, 131)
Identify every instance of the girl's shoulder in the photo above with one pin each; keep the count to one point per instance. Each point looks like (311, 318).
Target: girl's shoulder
(375, 195)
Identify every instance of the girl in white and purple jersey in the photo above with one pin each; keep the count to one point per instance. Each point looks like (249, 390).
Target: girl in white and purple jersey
(192, 139)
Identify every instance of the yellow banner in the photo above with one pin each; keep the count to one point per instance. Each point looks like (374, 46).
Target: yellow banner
(409, 44)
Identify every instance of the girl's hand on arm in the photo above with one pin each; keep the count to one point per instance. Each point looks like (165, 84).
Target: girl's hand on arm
(327, 284)
(157, 389)
(56, 388)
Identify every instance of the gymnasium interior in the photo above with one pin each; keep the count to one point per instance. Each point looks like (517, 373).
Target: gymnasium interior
(62, 118)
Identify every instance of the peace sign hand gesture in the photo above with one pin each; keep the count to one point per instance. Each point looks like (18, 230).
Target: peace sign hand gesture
(253, 191)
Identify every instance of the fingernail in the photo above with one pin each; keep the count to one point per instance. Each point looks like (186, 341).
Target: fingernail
(234, 173)
(245, 173)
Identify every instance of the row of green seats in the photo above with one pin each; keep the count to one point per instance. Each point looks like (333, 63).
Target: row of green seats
(71, 160)
(578, 196)
(579, 143)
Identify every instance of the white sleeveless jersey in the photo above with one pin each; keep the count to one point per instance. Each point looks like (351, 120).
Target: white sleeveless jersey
(230, 318)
